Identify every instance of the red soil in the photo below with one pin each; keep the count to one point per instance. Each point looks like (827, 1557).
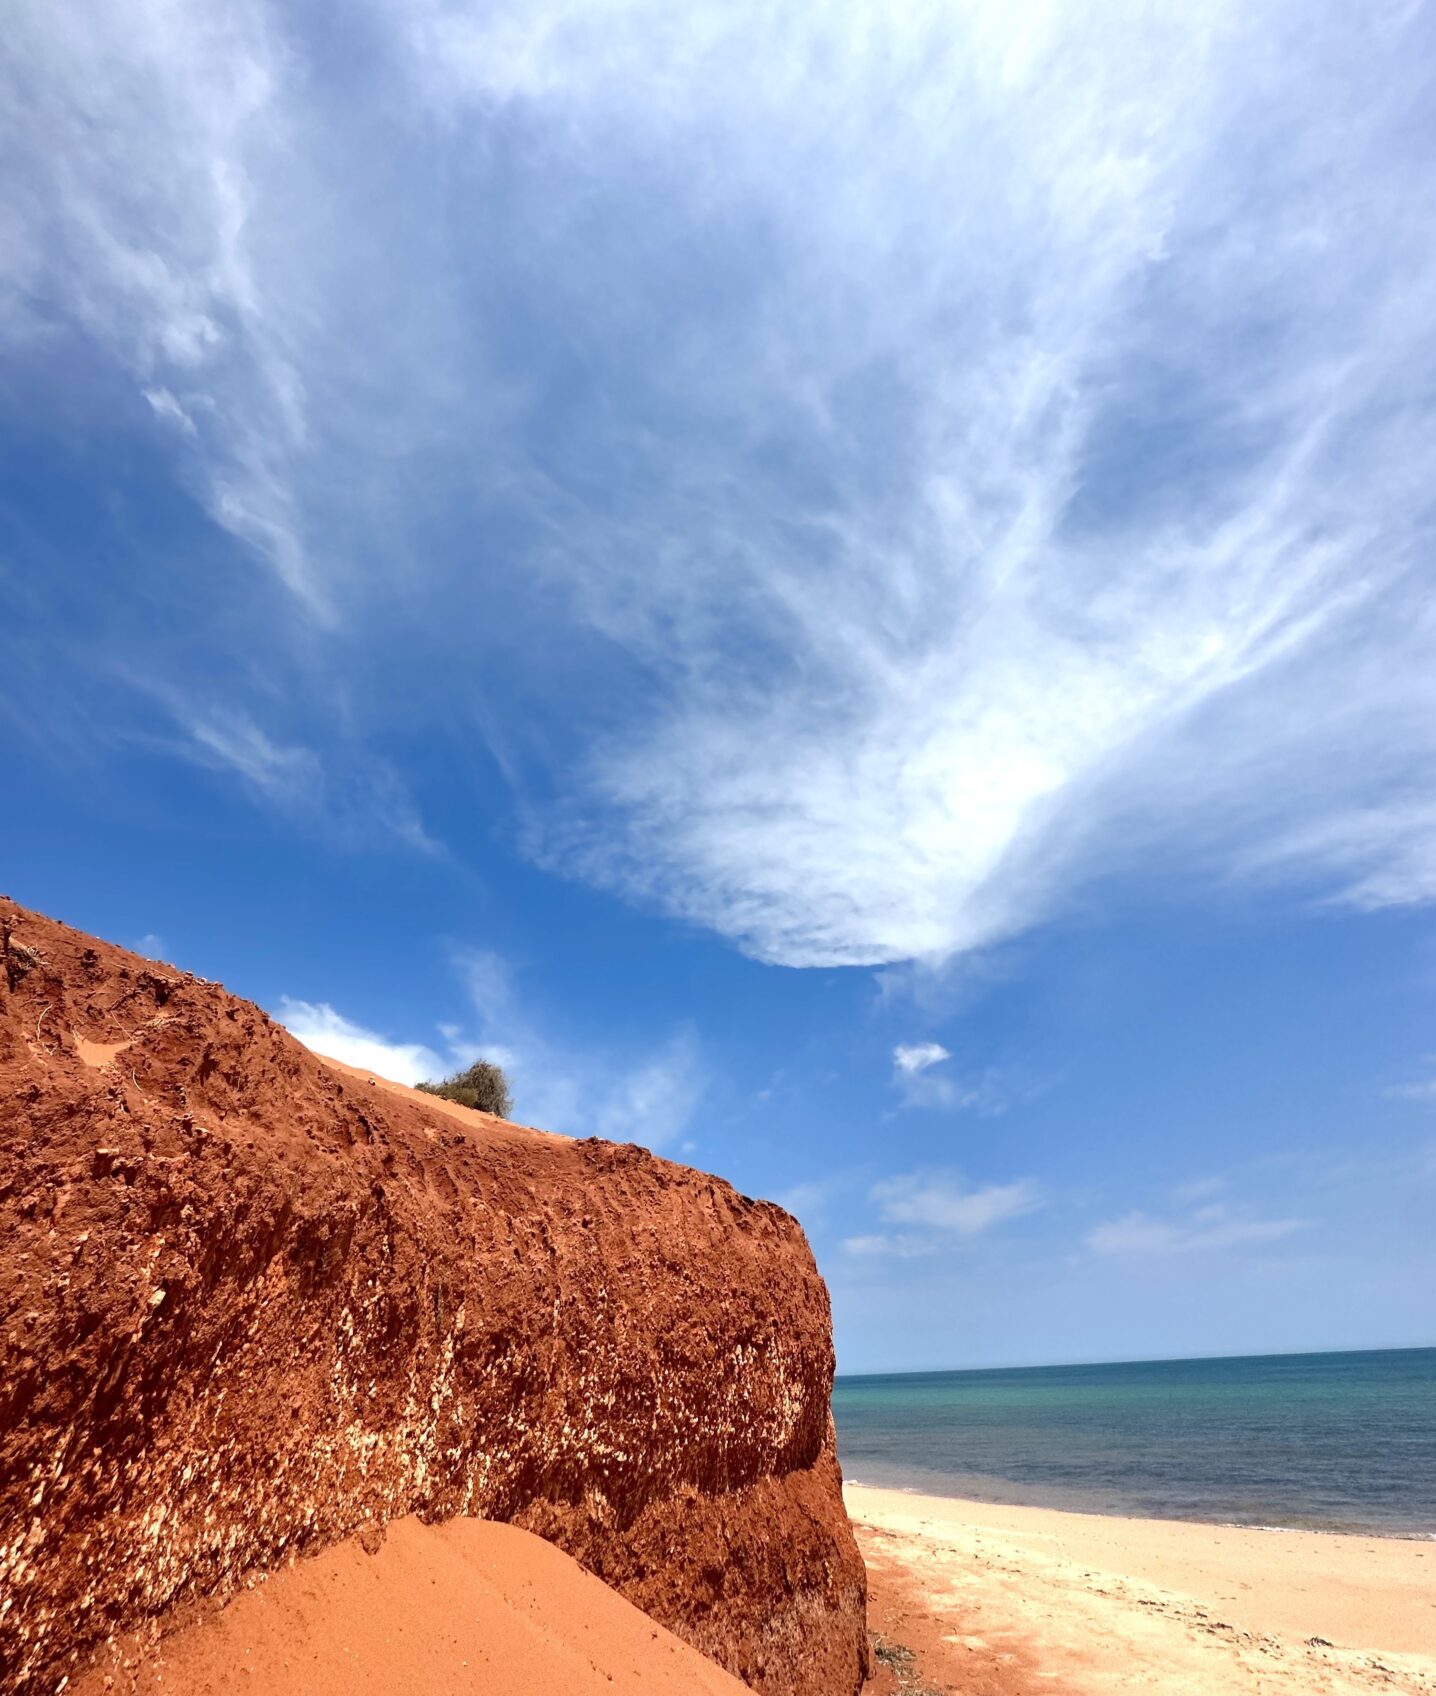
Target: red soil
(249, 1306)
(465, 1608)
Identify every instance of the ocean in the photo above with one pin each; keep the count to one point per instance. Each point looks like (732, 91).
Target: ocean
(1334, 1442)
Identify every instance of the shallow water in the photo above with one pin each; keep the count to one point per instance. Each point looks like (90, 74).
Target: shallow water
(1335, 1442)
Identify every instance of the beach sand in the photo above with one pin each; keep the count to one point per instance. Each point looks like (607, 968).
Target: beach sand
(1007, 1601)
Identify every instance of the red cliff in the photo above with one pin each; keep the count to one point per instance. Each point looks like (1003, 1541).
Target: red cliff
(250, 1306)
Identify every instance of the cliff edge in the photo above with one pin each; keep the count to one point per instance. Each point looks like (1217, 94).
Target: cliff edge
(250, 1308)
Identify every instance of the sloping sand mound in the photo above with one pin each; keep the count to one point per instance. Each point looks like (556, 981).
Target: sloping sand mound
(469, 1608)
(249, 1305)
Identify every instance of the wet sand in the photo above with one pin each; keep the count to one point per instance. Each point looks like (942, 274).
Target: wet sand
(1008, 1601)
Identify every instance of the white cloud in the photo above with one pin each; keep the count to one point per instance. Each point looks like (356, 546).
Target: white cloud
(922, 1085)
(911, 1058)
(1101, 600)
(969, 452)
(1139, 1235)
(895, 1246)
(938, 1207)
(151, 947)
(319, 1027)
(648, 1099)
(941, 1200)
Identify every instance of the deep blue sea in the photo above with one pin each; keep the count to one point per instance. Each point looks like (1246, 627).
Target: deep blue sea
(1339, 1442)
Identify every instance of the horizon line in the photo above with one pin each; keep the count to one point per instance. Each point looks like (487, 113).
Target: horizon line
(1156, 1360)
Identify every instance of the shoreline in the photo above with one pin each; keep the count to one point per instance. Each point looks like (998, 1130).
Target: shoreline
(1018, 1599)
(964, 1499)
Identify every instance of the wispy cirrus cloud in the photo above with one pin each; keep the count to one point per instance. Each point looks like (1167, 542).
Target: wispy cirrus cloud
(1109, 543)
(957, 456)
(143, 148)
(355, 797)
(1213, 1226)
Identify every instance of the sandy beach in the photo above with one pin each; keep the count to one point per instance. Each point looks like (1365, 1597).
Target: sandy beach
(1011, 1600)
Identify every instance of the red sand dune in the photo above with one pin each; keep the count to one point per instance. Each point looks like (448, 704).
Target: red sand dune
(250, 1305)
(469, 1608)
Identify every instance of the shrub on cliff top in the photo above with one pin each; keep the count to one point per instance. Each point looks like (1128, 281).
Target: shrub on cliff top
(482, 1085)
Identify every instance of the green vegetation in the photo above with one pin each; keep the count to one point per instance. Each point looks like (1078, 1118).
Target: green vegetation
(482, 1085)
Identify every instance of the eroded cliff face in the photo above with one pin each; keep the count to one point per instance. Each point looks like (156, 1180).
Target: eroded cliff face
(248, 1307)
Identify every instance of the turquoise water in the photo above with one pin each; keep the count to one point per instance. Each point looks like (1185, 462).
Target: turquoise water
(1340, 1442)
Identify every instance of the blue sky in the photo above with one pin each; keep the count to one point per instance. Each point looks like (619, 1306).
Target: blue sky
(847, 589)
